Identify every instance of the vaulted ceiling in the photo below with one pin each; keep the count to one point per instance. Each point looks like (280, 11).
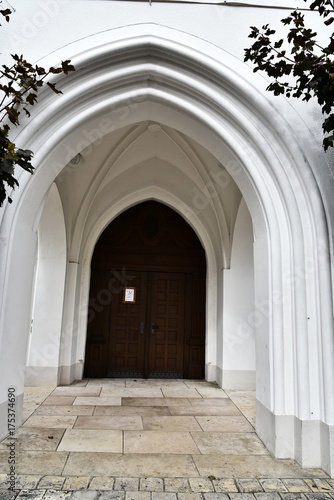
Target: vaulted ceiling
(150, 154)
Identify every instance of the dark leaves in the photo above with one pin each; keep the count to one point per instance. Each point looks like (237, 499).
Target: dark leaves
(31, 98)
(10, 156)
(53, 88)
(67, 67)
(20, 84)
(6, 14)
(300, 56)
(329, 21)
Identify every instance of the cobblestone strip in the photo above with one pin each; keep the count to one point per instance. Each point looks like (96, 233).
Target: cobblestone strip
(157, 488)
(146, 495)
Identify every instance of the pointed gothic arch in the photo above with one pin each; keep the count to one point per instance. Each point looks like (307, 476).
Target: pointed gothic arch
(136, 78)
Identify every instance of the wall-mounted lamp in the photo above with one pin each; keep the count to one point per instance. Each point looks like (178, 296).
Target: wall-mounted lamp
(154, 127)
(76, 159)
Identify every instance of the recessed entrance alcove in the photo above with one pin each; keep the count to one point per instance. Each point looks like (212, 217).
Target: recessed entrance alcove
(159, 330)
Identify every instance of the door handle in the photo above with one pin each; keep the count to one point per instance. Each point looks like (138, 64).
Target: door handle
(142, 327)
(153, 328)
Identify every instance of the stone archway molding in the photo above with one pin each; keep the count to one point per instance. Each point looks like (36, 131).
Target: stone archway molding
(214, 98)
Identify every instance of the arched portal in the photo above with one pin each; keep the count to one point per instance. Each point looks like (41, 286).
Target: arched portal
(154, 75)
(146, 315)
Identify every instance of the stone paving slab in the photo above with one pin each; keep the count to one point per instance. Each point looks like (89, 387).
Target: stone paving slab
(164, 496)
(318, 485)
(216, 496)
(50, 421)
(52, 482)
(296, 485)
(201, 484)
(293, 496)
(126, 483)
(149, 442)
(112, 495)
(71, 390)
(249, 485)
(225, 485)
(37, 462)
(136, 465)
(102, 483)
(273, 485)
(43, 439)
(177, 484)
(151, 484)
(252, 466)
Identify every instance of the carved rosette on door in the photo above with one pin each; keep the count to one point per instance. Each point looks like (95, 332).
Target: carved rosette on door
(151, 266)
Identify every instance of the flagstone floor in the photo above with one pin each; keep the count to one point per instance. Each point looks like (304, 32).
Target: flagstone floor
(148, 440)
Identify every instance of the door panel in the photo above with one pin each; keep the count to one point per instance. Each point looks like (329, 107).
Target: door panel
(161, 335)
(127, 338)
(166, 338)
(98, 323)
(195, 325)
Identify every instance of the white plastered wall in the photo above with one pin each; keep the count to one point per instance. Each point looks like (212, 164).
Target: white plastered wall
(44, 342)
(274, 173)
(240, 316)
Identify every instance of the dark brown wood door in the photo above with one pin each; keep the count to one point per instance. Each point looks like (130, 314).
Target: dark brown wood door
(166, 325)
(98, 322)
(126, 350)
(146, 337)
(151, 248)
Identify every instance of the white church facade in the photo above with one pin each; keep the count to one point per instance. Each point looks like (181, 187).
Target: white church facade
(162, 117)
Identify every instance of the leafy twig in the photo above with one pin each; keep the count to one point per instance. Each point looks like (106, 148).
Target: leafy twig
(21, 83)
(313, 72)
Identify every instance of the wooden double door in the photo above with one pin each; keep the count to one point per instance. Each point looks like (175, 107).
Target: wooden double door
(160, 331)
(147, 335)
